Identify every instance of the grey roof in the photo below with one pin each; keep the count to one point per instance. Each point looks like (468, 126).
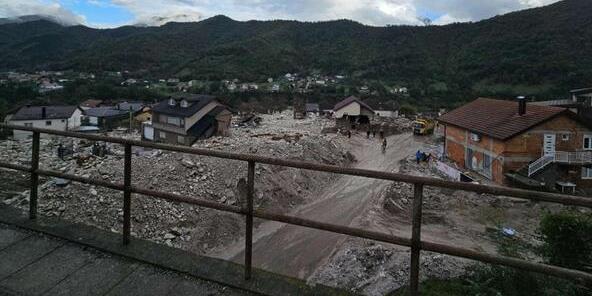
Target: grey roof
(51, 112)
(134, 107)
(312, 107)
(104, 112)
(196, 102)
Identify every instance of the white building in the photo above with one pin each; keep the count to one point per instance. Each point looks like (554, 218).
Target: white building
(61, 118)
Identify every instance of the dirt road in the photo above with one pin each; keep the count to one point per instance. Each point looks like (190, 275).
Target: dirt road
(298, 251)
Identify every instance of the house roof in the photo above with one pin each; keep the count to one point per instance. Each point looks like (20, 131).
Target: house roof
(51, 112)
(134, 106)
(350, 100)
(312, 107)
(196, 102)
(498, 118)
(104, 112)
(91, 103)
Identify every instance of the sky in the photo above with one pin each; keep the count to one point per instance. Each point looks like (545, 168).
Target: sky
(114, 13)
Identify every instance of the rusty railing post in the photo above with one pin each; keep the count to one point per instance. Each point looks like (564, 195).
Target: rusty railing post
(34, 177)
(127, 193)
(416, 239)
(249, 220)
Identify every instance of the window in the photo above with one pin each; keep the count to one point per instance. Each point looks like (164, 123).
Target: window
(180, 139)
(162, 135)
(174, 121)
(586, 173)
(587, 142)
(172, 102)
(565, 137)
(184, 104)
(63, 120)
(48, 122)
(29, 124)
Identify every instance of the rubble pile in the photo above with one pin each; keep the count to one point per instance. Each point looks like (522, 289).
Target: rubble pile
(373, 269)
(181, 225)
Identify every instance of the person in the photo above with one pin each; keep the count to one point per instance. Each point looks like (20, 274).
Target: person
(373, 133)
(384, 145)
(418, 156)
(349, 134)
(367, 134)
(382, 134)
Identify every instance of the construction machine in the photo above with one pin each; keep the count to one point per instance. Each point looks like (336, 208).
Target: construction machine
(423, 127)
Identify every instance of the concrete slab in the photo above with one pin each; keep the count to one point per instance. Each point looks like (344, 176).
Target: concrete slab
(44, 274)
(146, 281)
(10, 236)
(96, 278)
(25, 252)
(217, 271)
(191, 287)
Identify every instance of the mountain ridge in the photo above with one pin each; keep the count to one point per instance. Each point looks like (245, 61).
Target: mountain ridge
(543, 47)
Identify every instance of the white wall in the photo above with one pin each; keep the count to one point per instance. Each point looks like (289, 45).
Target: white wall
(352, 109)
(56, 124)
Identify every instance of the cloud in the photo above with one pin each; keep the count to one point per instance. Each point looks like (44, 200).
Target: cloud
(15, 8)
(470, 10)
(370, 12)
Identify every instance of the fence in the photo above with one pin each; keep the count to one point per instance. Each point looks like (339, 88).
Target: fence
(415, 242)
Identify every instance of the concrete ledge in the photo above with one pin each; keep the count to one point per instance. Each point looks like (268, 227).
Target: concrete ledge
(215, 270)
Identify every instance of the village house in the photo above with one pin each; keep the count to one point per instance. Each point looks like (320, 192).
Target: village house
(61, 118)
(313, 108)
(105, 118)
(352, 113)
(185, 118)
(519, 143)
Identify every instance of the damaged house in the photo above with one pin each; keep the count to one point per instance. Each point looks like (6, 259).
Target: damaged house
(525, 144)
(185, 118)
(352, 113)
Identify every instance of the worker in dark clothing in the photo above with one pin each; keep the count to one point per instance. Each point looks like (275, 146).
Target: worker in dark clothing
(349, 134)
(384, 146)
(418, 156)
(367, 134)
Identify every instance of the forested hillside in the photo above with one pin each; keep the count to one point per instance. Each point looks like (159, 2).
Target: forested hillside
(543, 51)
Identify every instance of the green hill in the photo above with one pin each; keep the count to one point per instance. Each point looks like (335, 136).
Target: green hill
(543, 51)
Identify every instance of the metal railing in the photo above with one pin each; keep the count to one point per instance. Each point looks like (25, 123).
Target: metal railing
(415, 243)
(565, 157)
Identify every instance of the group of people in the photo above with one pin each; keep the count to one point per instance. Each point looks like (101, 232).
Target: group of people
(372, 133)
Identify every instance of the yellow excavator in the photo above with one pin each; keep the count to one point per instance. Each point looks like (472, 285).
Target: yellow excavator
(423, 127)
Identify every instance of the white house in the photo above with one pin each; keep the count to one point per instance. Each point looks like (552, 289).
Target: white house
(61, 118)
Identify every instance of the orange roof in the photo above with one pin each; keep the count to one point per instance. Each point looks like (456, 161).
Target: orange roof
(498, 118)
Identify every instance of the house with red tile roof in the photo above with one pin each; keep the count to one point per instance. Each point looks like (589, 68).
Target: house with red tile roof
(514, 141)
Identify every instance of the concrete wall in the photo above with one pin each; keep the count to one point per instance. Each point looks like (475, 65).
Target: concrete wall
(56, 124)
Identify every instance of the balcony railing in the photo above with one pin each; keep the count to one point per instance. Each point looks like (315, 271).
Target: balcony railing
(564, 157)
(414, 242)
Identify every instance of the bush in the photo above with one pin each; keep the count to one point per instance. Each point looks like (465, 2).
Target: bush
(568, 240)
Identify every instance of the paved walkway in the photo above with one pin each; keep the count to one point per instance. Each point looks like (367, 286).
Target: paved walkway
(35, 264)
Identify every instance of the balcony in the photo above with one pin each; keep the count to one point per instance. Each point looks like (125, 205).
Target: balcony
(563, 157)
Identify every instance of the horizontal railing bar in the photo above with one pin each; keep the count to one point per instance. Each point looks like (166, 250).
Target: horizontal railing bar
(188, 200)
(507, 261)
(115, 186)
(428, 181)
(377, 236)
(17, 167)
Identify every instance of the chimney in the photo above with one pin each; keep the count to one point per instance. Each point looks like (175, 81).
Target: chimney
(43, 112)
(521, 105)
